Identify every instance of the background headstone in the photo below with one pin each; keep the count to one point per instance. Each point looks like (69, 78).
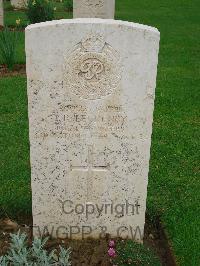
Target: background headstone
(94, 9)
(19, 3)
(91, 101)
(1, 13)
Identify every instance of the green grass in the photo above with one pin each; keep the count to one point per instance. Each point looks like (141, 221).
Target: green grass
(130, 253)
(12, 15)
(15, 193)
(20, 49)
(174, 186)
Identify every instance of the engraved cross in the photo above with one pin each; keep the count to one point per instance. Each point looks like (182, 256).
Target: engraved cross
(90, 168)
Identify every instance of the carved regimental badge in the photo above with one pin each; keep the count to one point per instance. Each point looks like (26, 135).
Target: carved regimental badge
(92, 69)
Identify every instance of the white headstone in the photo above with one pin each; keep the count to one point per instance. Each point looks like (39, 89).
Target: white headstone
(91, 87)
(19, 3)
(1, 13)
(94, 9)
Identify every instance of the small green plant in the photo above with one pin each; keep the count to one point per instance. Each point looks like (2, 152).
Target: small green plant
(39, 11)
(127, 252)
(8, 41)
(68, 4)
(20, 254)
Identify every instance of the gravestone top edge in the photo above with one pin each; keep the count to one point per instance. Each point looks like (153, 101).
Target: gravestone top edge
(93, 21)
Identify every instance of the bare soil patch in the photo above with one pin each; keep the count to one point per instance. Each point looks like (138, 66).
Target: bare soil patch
(91, 252)
(19, 69)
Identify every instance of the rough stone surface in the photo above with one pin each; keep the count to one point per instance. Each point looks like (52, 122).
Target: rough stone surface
(1, 13)
(94, 9)
(91, 87)
(18, 3)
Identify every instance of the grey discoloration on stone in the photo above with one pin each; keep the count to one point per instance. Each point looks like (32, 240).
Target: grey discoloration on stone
(94, 9)
(1, 13)
(91, 100)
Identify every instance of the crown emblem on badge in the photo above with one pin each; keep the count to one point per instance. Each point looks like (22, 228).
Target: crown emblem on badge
(92, 70)
(93, 43)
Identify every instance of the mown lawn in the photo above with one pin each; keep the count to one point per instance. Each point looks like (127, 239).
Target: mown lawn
(174, 184)
(11, 15)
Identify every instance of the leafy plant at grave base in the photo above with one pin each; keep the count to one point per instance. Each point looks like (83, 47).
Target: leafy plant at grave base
(68, 4)
(20, 254)
(39, 11)
(8, 41)
(131, 253)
